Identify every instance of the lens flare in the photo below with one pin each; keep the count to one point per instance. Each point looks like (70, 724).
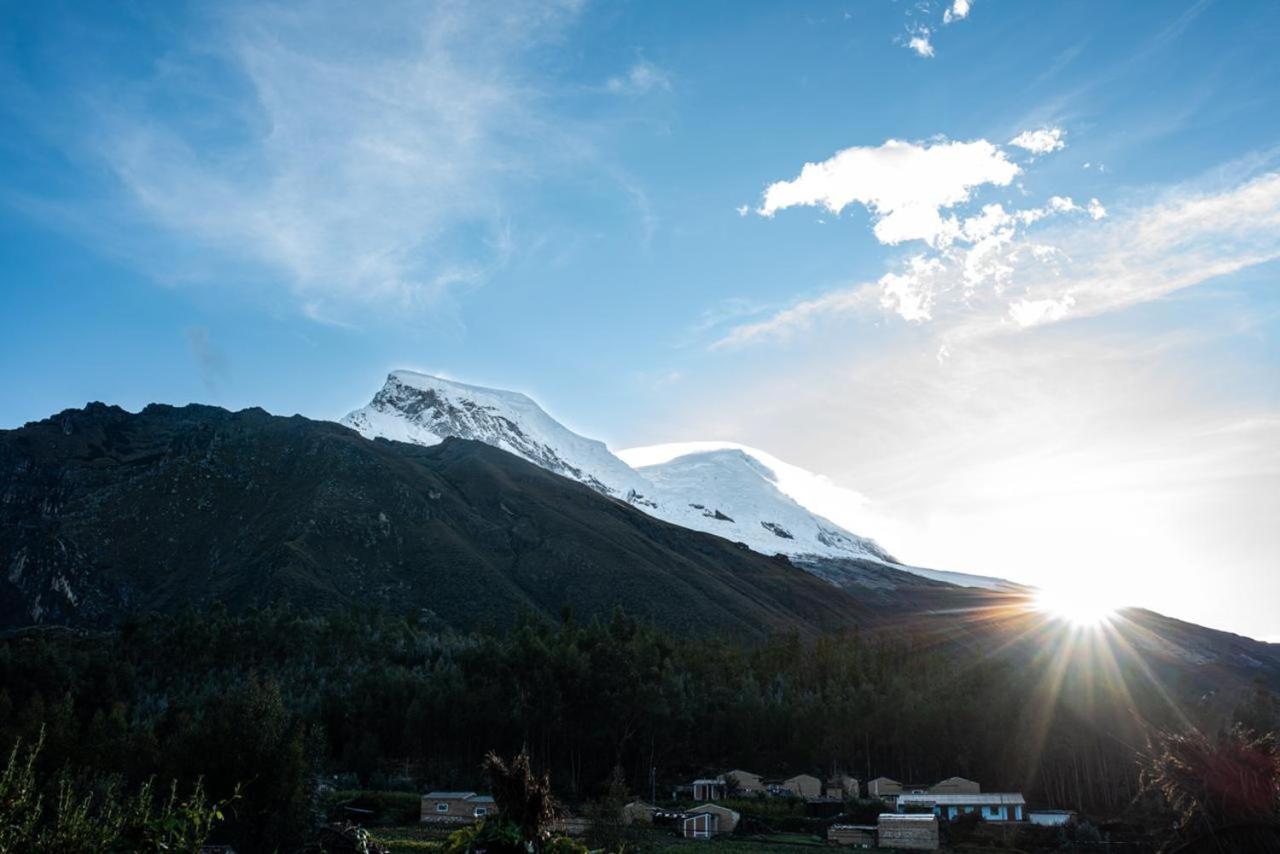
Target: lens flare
(1078, 606)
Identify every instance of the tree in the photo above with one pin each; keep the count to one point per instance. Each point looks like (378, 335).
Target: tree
(1221, 789)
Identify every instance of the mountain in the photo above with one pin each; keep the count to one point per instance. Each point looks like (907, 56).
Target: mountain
(103, 511)
(425, 410)
(732, 493)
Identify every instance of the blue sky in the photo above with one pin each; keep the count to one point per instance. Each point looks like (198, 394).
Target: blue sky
(607, 205)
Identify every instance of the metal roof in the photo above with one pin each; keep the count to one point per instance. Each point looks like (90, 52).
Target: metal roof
(908, 818)
(448, 796)
(985, 799)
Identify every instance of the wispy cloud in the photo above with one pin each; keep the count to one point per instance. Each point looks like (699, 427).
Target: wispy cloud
(1005, 270)
(1040, 141)
(957, 11)
(373, 171)
(919, 42)
(643, 77)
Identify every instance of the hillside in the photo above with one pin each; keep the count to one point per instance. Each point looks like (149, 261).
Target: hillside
(105, 511)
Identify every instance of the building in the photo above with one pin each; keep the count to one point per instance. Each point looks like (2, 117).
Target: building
(1006, 806)
(803, 785)
(708, 821)
(885, 789)
(1051, 818)
(841, 786)
(852, 835)
(708, 789)
(748, 783)
(457, 807)
(909, 832)
(955, 786)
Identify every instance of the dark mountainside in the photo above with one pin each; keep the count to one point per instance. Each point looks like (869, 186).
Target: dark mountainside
(104, 512)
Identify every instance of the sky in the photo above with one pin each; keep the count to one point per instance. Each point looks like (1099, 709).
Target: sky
(1004, 273)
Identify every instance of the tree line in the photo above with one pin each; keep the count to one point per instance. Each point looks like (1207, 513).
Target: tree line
(267, 706)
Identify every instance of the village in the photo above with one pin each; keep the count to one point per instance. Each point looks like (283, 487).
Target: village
(838, 811)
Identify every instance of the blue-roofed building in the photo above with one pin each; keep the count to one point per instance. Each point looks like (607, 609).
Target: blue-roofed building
(993, 806)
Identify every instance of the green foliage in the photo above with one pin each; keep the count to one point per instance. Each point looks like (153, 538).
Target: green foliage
(1214, 783)
(277, 700)
(98, 817)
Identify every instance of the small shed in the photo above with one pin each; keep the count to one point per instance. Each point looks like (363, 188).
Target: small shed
(823, 807)
(748, 783)
(841, 786)
(708, 821)
(955, 786)
(884, 788)
(1051, 818)
(908, 832)
(708, 789)
(804, 785)
(852, 835)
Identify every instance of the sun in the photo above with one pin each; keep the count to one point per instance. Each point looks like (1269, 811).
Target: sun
(1079, 606)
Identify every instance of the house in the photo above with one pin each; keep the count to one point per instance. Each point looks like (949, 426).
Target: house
(910, 832)
(885, 789)
(747, 783)
(955, 786)
(1051, 818)
(995, 806)
(708, 789)
(841, 786)
(852, 835)
(456, 807)
(803, 785)
(708, 821)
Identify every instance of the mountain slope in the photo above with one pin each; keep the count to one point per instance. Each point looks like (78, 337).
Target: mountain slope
(731, 493)
(103, 511)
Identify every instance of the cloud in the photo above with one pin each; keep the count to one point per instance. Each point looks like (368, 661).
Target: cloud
(1041, 141)
(376, 171)
(640, 79)
(919, 42)
(905, 185)
(958, 11)
(998, 274)
(743, 210)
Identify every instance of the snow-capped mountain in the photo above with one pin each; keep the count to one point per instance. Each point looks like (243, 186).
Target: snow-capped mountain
(733, 491)
(424, 410)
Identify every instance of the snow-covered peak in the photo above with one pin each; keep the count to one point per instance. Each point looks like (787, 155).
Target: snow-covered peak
(424, 410)
(736, 492)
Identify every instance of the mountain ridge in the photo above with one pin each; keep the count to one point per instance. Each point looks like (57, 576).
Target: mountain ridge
(103, 511)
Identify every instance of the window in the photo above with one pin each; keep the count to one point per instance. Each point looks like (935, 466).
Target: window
(481, 812)
(442, 806)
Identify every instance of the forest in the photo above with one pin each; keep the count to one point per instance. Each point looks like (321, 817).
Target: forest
(267, 708)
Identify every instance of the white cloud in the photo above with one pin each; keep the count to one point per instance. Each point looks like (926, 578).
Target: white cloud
(906, 185)
(958, 11)
(743, 210)
(919, 42)
(640, 79)
(993, 270)
(370, 172)
(1040, 141)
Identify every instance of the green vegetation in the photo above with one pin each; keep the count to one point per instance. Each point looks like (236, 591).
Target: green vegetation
(302, 715)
